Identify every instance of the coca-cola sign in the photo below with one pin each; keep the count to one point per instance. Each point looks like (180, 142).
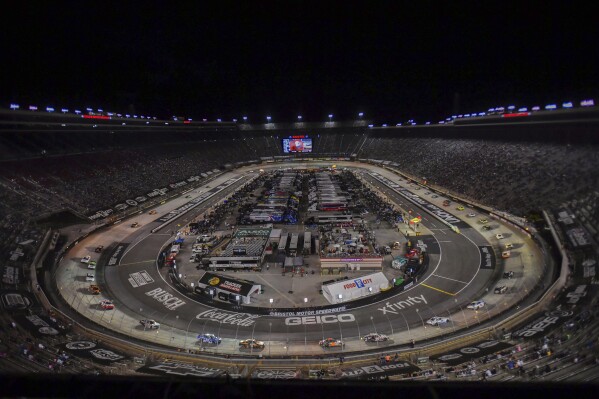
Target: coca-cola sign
(235, 319)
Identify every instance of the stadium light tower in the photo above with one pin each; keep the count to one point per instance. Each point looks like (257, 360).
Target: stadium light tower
(245, 118)
(361, 115)
(268, 118)
(299, 117)
(330, 117)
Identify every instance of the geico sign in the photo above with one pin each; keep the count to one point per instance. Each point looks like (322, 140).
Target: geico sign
(326, 319)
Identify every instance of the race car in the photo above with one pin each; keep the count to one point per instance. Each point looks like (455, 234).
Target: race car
(106, 304)
(501, 289)
(487, 227)
(483, 221)
(150, 324)
(209, 339)
(135, 224)
(471, 215)
(476, 305)
(435, 321)
(434, 196)
(509, 246)
(94, 289)
(152, 212)
(331, 343)
(99, 248)
(499, 236)
(506, 254)
(86, 259)
(90, 277)
(91, 264)
(251, 343)
(375, 337)
(412, 253)
(459, 208)
(509, 274)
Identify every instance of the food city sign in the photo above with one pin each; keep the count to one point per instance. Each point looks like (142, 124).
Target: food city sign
(326, 319)
(394, 308)
(358, 283)
(235, 319)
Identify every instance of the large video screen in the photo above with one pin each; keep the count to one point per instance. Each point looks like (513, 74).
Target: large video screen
(297, 145)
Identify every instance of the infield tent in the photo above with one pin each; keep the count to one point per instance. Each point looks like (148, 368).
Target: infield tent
(351, 289)
(227, 289)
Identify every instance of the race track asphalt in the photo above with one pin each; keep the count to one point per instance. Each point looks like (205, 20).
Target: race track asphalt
(454, 278)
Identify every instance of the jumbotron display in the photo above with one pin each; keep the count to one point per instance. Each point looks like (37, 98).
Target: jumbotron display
(297, 144)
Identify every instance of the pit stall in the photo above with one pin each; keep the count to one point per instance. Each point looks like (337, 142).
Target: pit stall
(346, 250)
(334, 265)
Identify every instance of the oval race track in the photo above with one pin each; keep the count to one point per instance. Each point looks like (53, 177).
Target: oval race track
(454, 278)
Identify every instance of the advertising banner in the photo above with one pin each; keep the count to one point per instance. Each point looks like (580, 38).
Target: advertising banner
(93, 351)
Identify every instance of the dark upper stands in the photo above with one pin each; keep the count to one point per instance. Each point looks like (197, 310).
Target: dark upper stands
(48, 167)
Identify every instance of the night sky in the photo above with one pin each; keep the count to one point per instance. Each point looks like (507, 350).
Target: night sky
(257, 58)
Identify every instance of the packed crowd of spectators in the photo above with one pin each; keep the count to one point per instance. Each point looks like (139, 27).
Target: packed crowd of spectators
(340, 144)
(510, 176)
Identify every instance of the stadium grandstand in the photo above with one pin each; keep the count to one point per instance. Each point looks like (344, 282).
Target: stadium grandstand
(59, 170)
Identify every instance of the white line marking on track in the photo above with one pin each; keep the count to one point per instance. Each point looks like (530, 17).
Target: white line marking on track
(452, 279)
(480, 259)
(137, 263)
